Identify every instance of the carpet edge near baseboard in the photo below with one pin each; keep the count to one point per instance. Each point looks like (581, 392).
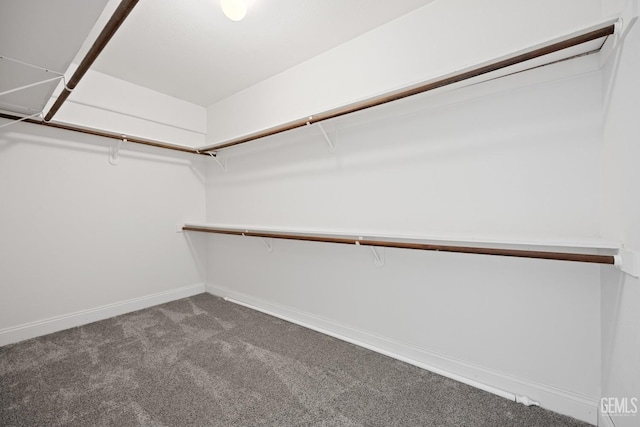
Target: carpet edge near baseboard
(552, 398)
(50, 325)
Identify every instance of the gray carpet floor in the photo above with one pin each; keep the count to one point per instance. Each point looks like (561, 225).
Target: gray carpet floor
(202, 361)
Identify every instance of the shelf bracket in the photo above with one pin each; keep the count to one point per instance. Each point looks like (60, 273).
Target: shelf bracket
(114, 152)
(268, 243)
(378, 256)
(628, 262)
(222, 164)
(332, 147)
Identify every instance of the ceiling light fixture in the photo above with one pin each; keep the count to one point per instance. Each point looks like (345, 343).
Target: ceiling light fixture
(235, 10)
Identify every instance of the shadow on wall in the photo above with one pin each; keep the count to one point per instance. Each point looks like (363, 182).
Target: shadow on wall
(96, 145)
(197, 248)
(620, 298)
(426, 130)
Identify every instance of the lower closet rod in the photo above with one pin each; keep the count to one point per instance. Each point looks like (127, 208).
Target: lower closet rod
(559, 256)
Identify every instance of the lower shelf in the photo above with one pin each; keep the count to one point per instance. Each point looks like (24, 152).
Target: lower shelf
(590, 253)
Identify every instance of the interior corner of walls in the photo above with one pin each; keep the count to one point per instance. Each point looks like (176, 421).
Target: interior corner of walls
(336, 78)
(215, 290)
(613, 8)
(111, 104)
(604, 420)
(630, 262)
(240, 114)
(93, 117)
(79, 318)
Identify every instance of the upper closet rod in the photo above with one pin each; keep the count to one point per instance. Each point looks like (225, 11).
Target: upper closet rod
(102, 133)
(605, 30)
(559, 256)
(118, 17)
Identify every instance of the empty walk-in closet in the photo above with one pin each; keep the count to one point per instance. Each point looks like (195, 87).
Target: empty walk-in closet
(283, 213)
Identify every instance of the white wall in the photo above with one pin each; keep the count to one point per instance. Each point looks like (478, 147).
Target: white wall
(510, 158)
(107, 103)
(78, 234)
(621, 203)
(439, 38)
(481, 149)
(517, 157)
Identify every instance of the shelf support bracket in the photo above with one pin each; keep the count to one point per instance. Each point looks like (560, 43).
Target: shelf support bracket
(114, 152)
(268, 243)
(628, 262)
(378, 256)
(222, 164)
(332, 147)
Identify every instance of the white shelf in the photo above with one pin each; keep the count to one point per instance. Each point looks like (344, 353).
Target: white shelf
(579, 244)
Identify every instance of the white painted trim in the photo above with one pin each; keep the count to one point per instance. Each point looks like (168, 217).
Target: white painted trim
(555, 399)
(604, 420)
(58, 323)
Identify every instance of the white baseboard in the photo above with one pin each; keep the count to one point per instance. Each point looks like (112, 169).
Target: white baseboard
(604, 420)
(54, 324)
(558, 400)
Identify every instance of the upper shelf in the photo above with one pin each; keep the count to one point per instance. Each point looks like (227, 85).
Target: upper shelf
(583, 42)
(579, 43)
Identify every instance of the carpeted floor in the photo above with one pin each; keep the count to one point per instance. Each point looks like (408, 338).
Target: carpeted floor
(202, 361)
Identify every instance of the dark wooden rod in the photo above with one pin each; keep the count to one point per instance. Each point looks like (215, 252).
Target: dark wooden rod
(104, 134)
(559, 256)
(118, 17)
(372, 102)
(417, 89)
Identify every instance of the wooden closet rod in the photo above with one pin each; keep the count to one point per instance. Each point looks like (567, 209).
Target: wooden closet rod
(604, 31)
(105, 134)
(118, 17)
(559, 256)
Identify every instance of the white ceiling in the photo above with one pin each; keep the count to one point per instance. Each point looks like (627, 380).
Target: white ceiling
(188, 49)
(46, 33)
